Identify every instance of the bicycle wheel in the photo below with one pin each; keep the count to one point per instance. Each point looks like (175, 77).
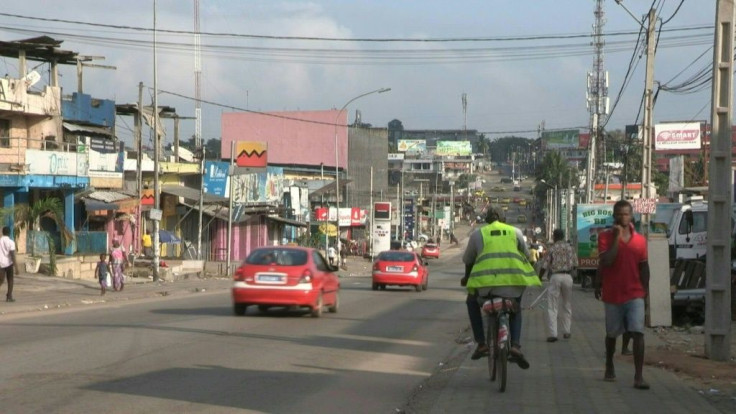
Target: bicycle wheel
(491, 341)
(503, 357)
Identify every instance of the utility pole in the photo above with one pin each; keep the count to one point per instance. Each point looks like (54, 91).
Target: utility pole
(597, 100)
(646, 165)
(139, 159)
(156, 159)
(717, 268)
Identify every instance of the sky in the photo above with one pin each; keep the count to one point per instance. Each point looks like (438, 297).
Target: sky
(522, 63)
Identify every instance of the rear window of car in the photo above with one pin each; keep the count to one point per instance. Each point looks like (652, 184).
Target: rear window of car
(430, 245)
(396, 256)
(282, 257)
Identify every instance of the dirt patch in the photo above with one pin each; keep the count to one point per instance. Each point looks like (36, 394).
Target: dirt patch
(681, 350)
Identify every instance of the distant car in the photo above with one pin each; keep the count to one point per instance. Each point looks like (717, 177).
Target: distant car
(521, 219)
(400, 268)
(522, 202)
(505, 200)
(506, 180)
(431, 250)
(285, 276)
(505, 207)
(517, 199)
(498, 189)
(517, 188)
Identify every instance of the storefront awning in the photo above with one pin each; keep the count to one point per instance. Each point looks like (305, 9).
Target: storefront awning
(96, 205)
(286, 221)
(92, 130)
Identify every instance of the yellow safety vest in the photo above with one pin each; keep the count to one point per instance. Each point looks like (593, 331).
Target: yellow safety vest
(501, 263)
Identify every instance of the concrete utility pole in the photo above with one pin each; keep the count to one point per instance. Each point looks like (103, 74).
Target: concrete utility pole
(718, 271)
(156, 160)
(597, 99)
(647, 187)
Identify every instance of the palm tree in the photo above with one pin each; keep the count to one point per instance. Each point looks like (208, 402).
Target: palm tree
(29, 217)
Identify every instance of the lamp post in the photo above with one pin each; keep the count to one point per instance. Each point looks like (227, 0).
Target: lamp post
(555, 207)
(337, 159)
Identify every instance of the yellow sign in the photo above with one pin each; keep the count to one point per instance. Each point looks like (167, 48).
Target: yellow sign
(329, 229)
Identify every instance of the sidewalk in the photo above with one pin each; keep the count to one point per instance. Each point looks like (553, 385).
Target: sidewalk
(37, 293)
(567, 376)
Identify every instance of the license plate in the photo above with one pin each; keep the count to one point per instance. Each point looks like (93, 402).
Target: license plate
(270, 278)
(394, 269)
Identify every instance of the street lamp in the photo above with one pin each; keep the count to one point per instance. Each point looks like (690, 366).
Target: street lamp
(337, 164)
(552, 224)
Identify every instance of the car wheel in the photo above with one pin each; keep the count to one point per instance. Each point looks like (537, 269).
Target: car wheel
(317, 309)
(426, 284)
(383, 286)
(336, 305)
(418, 288)
(263, 308)
(374, 286)
(239, 309)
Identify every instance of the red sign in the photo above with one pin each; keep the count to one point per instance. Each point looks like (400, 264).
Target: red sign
(251, 154)
(147, 197)
(382, 211)
(321, 213)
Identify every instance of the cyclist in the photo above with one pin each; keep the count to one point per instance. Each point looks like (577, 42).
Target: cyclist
(496, 263)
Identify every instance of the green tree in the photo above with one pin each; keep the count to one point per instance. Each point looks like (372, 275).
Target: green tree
(555, 171)
(29, 217)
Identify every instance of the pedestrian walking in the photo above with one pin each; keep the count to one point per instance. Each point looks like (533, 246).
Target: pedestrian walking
(623, 285)
(147, 244)
(559, 264)
(119, 261)
(331, 255)
(101, 272)
(8, 263)
(343, 257)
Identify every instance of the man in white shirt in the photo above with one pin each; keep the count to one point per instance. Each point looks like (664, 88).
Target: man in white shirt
(7, 261)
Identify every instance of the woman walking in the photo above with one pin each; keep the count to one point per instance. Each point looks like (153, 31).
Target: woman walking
(118, 261)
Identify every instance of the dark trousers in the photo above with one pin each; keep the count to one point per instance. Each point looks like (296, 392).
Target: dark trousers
(7, 273)
(476, 321)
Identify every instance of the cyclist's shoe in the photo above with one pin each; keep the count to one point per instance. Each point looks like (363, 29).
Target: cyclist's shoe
(515, 355)
(480, 352)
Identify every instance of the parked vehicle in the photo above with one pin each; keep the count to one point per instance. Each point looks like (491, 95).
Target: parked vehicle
(285, 276)
(400, 268)
(431, 250)
(521, 219)
(506, 180)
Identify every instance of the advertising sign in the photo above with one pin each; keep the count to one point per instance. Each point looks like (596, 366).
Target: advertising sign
(392, 156)
(381, 236)
(265, 187)
(564, 138)
(57, 163)
(215, 178)
(412, 145)
(251, 154)
(453, 148)
(677, 136)
(321, 214)
(592, 219)
(382, 211)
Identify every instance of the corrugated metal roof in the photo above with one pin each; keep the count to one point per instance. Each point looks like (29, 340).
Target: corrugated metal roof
(108, 196)
(191, 194)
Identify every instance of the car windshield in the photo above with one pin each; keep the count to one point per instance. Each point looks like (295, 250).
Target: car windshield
(282, 257)
(394, 256)
(430, 245)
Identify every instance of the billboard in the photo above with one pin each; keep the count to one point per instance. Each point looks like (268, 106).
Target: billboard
(563, 138)
(267, 187)
(412, 145)
(677, 136)
(216, 178)
(453, 148)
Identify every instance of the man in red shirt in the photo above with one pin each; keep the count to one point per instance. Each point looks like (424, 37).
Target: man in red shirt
(623, 285)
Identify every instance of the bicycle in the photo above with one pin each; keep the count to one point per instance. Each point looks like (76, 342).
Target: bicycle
(498, 311)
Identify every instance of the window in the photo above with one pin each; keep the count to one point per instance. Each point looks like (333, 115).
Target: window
(319, 262)
(700, 223)
(4, 133)
(282, 257)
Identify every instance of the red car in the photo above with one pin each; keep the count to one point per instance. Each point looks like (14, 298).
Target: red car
(400, 268)
(286, 277)
(431, 250)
